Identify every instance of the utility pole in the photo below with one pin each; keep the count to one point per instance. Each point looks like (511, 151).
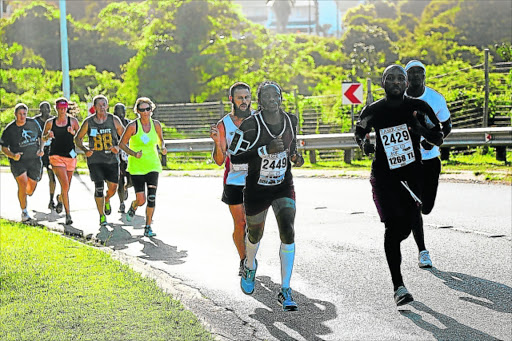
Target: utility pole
(64, 49)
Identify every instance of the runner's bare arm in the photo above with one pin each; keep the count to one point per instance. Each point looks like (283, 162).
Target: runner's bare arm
(159, 131)
(127, 134)
(218, 135)
(79, 137)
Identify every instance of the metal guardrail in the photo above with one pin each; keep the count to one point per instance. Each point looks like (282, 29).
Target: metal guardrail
(491, 136)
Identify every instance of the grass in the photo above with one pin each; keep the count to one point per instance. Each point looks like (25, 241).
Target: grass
(54, 288)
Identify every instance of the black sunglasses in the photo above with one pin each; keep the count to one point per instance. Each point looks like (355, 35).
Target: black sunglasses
(145, 109)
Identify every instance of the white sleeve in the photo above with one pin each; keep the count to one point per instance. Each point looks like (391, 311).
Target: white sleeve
(442, 112)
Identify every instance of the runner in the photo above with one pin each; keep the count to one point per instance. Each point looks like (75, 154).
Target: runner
(61, 131)
(266, 141)
(125, 180)
(396, 176)
(102, 129)
(21, 142)
(234, 175)
(144, 135)
(44, 115)
(429, 154)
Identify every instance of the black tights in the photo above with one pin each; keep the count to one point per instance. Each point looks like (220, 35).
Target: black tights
(397, 230)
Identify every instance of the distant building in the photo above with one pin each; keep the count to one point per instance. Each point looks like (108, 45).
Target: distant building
(302, 16)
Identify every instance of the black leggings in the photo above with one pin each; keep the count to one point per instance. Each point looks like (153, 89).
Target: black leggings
(397, 230)
(151, 179)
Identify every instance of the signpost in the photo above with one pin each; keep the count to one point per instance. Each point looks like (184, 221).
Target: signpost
(352, 94)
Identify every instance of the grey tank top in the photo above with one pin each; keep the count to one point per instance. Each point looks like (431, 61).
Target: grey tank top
(101, 138)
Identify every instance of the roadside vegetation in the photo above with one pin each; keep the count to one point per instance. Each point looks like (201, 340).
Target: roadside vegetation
(54, 288)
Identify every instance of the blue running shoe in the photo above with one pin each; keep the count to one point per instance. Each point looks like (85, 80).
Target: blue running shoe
(130, 214)
(247, 280)
(286, 300)
(148, 232)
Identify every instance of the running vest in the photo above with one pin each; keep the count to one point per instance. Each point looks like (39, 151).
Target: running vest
(101, 138)
(145, 142)
(234, 174)
(438, 104)
(63, 142)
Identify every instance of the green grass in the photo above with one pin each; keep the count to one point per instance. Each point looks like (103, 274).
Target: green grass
(54, 288)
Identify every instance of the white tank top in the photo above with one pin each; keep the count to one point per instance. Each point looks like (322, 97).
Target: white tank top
(235, 173)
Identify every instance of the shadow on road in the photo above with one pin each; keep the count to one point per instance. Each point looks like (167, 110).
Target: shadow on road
(308, 322)
(452, 329)
(153, 249)
(156, 250)
(499, 294)
(50, 217)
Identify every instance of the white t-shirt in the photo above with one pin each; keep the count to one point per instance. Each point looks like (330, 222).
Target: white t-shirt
(438, 105)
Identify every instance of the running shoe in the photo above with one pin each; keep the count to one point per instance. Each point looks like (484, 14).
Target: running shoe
(121, 208)
(424, 260)
(68, 219)
(247, 280)
(58, 208)
(241, 267)
(103, 220)
(148, 232)
(108, 208)
(285, 299)
(402, 296)
(25, 217)
(51, 205)
(130, 214)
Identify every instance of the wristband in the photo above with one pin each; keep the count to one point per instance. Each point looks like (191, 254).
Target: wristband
(262, 151)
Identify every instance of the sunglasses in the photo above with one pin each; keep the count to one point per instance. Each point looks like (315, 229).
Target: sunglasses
(145, 109)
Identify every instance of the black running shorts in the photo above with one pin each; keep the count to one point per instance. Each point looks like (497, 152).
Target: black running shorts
(139, 181)
(104, 172)
(33, 168)
(233, 195)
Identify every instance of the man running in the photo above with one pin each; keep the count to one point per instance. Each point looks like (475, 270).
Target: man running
(267, 142)
(44, 115)
(124, 177)
(21, 142)
(396, 176)
(102, 129)
(429, 154)
(234, 176)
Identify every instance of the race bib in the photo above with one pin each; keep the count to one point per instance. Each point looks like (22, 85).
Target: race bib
(273, 169)
(397, 145)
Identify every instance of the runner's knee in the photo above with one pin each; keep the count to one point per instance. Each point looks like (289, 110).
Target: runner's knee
(151, 196)
(98, 189)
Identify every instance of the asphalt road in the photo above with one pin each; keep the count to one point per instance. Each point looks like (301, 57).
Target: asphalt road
(341, 281)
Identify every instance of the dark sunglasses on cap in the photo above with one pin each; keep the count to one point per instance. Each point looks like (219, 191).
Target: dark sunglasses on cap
(145, 109)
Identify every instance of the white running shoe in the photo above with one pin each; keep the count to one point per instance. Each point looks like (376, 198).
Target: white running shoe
(25, 217)
(424, 259)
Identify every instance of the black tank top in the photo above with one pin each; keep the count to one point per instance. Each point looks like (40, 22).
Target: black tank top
(62, 143)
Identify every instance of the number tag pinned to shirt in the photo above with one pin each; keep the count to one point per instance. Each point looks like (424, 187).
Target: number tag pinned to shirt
(397, 145)
(273, 169)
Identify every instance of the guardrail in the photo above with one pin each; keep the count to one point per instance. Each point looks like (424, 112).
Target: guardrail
(491, 136)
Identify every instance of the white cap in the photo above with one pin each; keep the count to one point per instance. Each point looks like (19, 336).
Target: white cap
(414, 63)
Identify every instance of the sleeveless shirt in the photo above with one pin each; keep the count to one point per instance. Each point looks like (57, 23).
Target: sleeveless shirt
(101, 138)
(146, 142)
(63, 142)
(235, 173)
